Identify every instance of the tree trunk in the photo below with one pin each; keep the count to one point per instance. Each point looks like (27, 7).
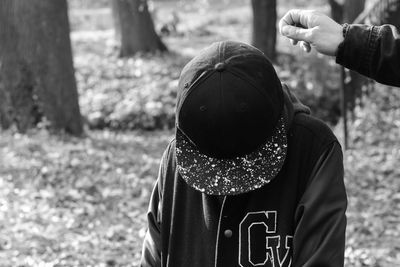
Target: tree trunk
(36, 72)
(9, 58)
(17, 105)
(336, 11)
(134, 28)
(353, 8)
(264, 26)
(348, 12)
(385, 12)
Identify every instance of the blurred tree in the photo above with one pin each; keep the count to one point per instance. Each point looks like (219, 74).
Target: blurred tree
(36, 70)
(348, 12)
(353, 8)
(134, 27)
(336, 10)
(264, 26)
(382, 12)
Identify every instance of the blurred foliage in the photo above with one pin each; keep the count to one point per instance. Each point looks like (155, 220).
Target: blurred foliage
(139, 92)
(66, 201)
(373, 180)
(92, 4)
(75, 202)
(316, 81)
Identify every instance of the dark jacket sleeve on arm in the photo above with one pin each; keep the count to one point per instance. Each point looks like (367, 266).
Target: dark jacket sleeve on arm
(151, 251)
(373, 51)
(319, 237)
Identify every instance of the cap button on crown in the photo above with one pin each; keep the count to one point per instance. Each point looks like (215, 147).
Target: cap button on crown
(219, 66)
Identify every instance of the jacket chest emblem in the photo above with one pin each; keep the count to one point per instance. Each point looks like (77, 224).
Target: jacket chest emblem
(259, 243)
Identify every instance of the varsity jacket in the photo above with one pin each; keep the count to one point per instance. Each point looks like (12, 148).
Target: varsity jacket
(373, 51)
(298, 219)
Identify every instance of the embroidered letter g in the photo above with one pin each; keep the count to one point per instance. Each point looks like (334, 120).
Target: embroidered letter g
(258, 243)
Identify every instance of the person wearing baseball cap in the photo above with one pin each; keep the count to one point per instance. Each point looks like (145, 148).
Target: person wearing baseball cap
(251, 178)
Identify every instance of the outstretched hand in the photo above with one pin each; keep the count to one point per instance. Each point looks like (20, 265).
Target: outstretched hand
(312, 29)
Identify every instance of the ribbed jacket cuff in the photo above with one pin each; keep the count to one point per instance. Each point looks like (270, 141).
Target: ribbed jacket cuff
(356, 51)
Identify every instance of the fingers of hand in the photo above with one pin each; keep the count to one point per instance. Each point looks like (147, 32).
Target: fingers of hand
(296, 33)
(291, 17)
(296, 17)
(306, 46)
(294, 25)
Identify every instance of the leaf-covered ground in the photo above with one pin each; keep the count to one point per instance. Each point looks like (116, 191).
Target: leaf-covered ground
(75, 202)
(81, 202)
(373, 180)
(68, 201)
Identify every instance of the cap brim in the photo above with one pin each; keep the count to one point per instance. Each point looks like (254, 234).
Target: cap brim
(231, 176)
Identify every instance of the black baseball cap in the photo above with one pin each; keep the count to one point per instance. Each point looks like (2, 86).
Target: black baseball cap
(230, 128)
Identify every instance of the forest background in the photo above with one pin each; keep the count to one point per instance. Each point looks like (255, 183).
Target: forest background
(80, 199)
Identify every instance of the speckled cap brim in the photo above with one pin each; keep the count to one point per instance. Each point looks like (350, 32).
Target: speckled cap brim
(231, 176)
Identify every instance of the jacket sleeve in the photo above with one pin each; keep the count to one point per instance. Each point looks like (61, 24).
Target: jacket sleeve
(319, 237)
(373, 51)
(151, 251)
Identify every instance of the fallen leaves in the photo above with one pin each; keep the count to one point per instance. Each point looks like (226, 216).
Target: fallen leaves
(79, 202)
(373, 181)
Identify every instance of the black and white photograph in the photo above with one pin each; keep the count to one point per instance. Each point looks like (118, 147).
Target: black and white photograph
(199, 133)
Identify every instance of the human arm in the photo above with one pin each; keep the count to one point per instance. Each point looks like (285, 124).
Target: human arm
(319, 237)
(373, 51)
(151, 251)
